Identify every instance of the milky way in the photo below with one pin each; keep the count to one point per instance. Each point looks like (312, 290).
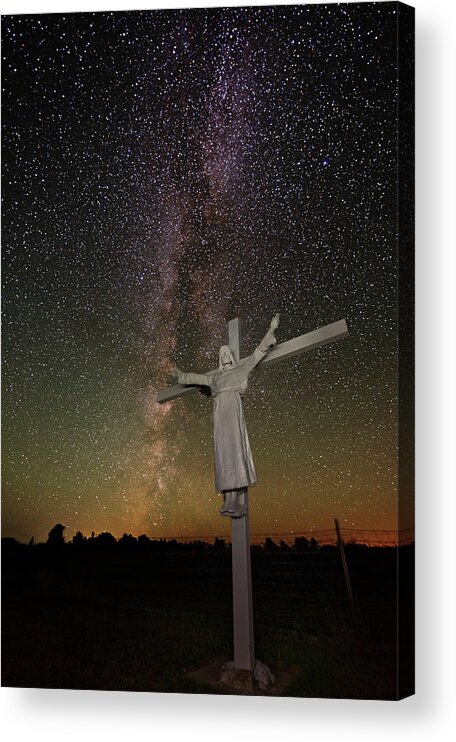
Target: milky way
(164, 172)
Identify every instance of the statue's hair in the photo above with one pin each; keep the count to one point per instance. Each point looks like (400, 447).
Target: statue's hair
(220, 365)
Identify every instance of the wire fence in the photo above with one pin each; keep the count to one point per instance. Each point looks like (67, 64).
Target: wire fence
(325, 537)
(353, 570)
(309, 574)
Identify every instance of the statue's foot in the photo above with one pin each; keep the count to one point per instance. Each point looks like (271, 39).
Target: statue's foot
(239, 512)
(224, 510)
(231, 507)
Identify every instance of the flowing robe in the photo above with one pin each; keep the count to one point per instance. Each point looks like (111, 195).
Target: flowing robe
(233, 462)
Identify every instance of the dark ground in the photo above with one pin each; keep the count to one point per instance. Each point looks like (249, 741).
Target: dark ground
(137, 617)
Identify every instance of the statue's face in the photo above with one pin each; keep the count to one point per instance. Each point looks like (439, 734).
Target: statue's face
(226, 357)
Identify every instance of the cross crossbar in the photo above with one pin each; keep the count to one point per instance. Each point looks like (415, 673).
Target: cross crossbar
(288, 349)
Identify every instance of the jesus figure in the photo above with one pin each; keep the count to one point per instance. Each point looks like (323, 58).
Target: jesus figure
(233, 462)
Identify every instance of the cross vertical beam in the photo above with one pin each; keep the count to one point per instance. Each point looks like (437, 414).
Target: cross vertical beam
(244, 650)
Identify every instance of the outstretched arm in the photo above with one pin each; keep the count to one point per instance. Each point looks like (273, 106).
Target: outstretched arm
(189, 379)
(270, 339)
(266, 344)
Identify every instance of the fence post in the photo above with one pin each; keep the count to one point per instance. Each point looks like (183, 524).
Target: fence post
(340, 544)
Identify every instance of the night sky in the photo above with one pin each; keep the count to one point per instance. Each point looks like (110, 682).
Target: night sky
(164, 172)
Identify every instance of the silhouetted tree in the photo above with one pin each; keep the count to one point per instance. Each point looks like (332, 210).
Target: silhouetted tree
(200, 545)
(269, 545)
(128, 542)
(301, 543)
(79, 541)
(55, 537)
(105, 541)
(144, 542)
(52, 570)
(11, 545)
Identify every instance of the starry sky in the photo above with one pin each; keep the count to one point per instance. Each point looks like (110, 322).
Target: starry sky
(164, 172)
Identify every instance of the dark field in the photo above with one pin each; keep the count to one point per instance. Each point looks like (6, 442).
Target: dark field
(138, 617)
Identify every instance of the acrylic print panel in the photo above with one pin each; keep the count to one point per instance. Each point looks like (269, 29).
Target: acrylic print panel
(166, 174)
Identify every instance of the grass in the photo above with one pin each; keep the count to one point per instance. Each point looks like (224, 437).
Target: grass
(120, 625)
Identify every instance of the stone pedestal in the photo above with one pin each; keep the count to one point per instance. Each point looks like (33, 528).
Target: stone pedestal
(246, 681)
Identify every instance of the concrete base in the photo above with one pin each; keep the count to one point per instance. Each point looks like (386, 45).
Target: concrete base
(244, 680)
(221, 675)
(240, 680)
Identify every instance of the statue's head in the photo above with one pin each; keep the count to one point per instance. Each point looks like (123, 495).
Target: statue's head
(226, 358)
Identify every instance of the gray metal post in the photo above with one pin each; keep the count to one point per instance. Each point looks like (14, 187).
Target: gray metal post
(244, 650)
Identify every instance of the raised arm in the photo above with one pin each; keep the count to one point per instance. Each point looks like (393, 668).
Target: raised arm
(270, 339)
(266, 344)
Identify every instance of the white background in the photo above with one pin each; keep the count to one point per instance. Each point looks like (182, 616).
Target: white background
(74, 715)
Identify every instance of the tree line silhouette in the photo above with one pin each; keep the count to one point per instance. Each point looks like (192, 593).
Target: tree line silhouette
(106, 542)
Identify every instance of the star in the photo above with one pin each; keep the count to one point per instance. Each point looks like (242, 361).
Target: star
(165, 171)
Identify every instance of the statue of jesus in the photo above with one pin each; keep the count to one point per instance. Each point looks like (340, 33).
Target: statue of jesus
(233, 462)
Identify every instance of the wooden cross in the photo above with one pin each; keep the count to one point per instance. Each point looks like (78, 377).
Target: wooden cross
(244, 653)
